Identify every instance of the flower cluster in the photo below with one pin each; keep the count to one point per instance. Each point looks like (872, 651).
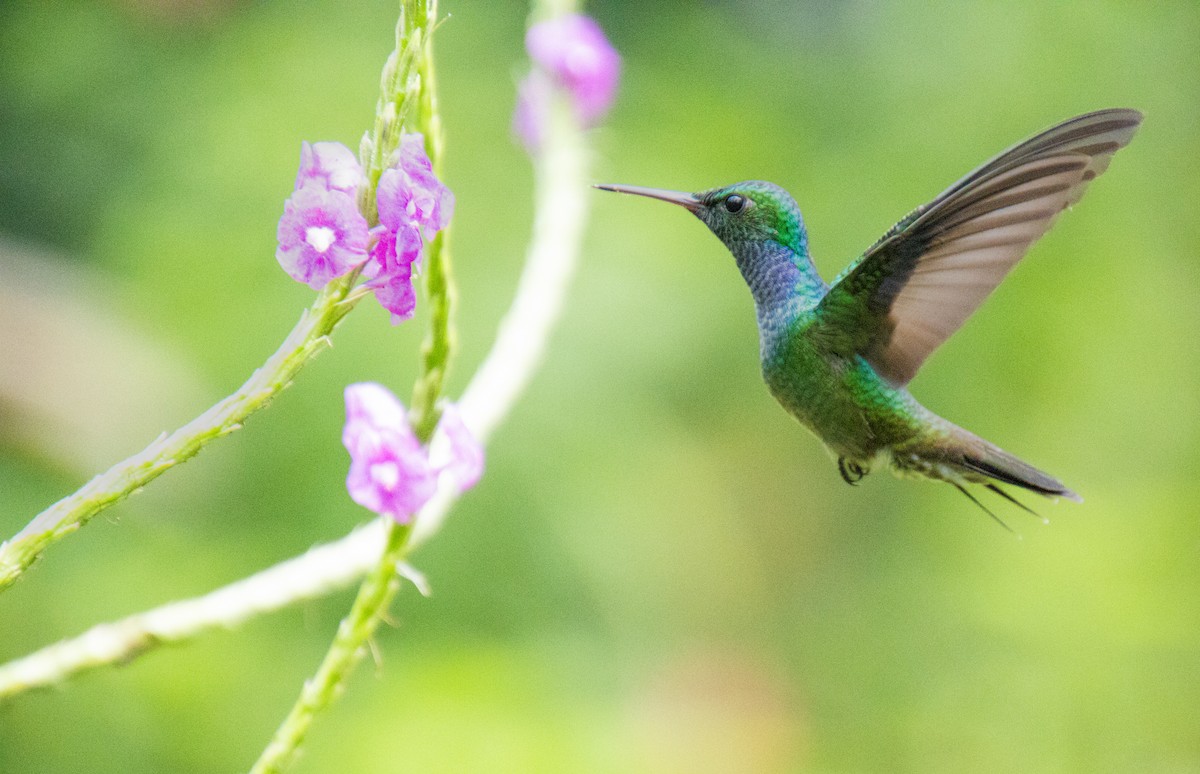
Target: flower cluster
(323, 234)
(413, 206)
(391, 473)
(572, 53)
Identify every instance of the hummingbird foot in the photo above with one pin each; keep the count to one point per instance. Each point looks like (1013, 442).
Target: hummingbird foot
(851, 471)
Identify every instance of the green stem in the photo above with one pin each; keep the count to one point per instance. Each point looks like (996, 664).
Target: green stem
(440, 341)
(545, 9)
(308, 337)
(560, 213)
(438, 347)
(377, 591)
(406, 82)
(374, 596)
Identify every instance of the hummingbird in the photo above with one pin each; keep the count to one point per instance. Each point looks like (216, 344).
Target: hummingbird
(838, 357)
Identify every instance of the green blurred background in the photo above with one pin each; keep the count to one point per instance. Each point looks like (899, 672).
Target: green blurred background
(661, 572)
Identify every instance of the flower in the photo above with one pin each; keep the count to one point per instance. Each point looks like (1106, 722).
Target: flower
(455, 450)
(573, 50)
(533, 100)
(322, 235)
(392, 259)
(409, 192)
(389, 469)
(332, 164)
(391, 473)
(413, 205)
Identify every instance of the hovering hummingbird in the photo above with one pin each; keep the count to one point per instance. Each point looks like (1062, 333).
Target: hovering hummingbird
(838, 357)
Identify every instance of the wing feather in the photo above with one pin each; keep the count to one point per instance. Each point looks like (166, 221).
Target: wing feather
(925, 277)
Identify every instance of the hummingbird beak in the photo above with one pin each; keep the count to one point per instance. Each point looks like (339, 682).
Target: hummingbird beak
(686, 200)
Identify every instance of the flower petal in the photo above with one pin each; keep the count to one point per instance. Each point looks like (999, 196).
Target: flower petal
(391, 267)
(455, 450)
(533, 104)
(575, 52)
(332, 164)
(369, 404)
(390, 471)
(409, 192)
(321, 235)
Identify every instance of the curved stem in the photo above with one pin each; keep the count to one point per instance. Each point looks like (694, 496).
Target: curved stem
(406, 81)
(318, 572)
(379, 547)
(343, 655)
(309, 337)
(497, 384)
(418, 18)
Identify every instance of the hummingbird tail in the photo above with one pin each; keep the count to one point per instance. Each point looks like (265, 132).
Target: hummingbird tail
(996, 464)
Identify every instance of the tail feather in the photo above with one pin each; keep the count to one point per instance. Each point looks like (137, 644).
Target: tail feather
(983, 507)
(997, 464)
(1014, 500)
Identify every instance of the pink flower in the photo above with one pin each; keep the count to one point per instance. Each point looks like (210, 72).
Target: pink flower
(332, 164)
(533, 101)
(409, 192)
(389, 469)
(455, 450)
(572, 49)
(392, 260)
(390, 472)
(413, 205)
(322, 235)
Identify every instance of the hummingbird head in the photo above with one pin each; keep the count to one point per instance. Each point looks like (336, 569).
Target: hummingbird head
(742, 215)
(761, 225)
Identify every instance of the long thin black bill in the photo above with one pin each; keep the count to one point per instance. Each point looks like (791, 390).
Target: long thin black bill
(683, 199)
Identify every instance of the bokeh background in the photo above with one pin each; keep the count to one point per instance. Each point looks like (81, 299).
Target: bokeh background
(661, 572)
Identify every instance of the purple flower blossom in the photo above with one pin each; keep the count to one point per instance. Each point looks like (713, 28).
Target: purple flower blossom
(321, 235)
(392, 260)
(331, 163)
(390, 472)
(572, 49)
(413, 205)
(409, 192)
(533, 101)
(455, 450)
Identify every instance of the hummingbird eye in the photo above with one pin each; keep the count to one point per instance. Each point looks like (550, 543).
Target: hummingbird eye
(735, 203)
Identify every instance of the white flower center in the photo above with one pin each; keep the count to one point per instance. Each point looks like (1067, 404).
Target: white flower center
(321, 238)
(386, 475)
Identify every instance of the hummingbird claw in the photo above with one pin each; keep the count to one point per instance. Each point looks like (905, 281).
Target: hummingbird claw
(851, 471)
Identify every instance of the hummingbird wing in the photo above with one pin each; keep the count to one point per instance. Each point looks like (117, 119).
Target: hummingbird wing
(915, 286)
